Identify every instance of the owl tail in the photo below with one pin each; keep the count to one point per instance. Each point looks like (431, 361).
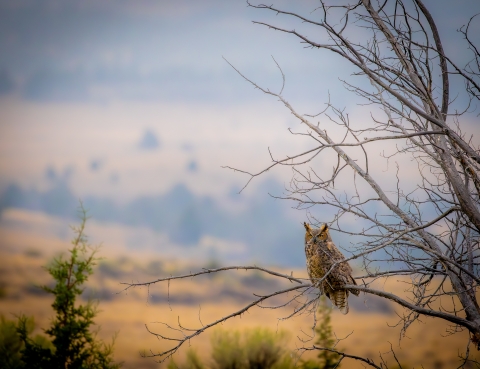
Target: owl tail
(340, 300)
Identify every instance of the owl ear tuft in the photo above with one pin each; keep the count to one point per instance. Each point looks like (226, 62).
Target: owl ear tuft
(307, 227)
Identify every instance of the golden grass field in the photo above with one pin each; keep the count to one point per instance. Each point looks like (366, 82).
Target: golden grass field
(368, 324)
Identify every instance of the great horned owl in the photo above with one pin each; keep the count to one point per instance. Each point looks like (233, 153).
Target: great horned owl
(321, 254)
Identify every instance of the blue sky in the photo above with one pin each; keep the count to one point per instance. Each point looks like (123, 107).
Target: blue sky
(111, 69)
(144, 51)
(85, 81)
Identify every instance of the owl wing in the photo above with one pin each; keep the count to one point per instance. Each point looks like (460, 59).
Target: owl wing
(342, 274)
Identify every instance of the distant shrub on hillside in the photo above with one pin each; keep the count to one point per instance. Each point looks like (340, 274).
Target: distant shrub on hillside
(257, 348)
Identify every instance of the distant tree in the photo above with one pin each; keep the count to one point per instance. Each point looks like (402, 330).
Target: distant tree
(73, 343)
(325, 340)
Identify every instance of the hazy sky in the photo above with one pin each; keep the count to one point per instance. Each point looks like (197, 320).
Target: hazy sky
(122, 98)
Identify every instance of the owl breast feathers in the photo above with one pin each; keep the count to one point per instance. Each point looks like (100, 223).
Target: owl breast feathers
(321, 255)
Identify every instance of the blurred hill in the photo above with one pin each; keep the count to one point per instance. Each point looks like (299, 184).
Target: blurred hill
(261, 229)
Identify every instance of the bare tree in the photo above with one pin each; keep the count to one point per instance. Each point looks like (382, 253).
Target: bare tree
(427, 228)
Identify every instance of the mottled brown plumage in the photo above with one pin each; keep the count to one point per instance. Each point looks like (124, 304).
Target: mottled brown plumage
(321, 254)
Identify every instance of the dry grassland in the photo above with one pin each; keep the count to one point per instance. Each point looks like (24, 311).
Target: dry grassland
(203, 300)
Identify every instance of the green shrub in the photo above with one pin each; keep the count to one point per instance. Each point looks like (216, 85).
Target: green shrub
(264, 348)
(252, 349)
(255, 349)
(227, 351)
(192, 362)
(10, 344)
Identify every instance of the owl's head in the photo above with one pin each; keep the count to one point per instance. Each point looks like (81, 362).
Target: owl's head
(320, 234)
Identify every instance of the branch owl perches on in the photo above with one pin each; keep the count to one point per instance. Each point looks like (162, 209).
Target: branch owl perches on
(321, 255)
